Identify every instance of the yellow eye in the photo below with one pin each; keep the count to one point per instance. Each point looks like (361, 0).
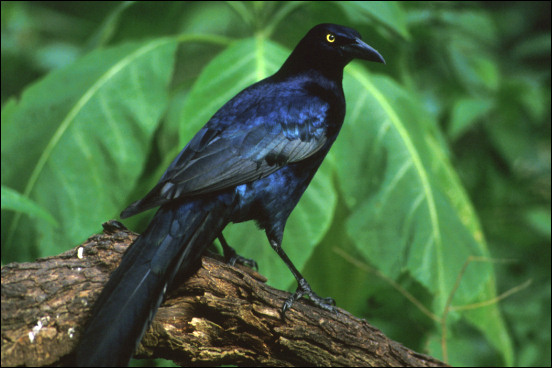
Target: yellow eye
(330, 37)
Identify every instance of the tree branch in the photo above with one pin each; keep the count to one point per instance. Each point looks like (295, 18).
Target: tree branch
(220, 315)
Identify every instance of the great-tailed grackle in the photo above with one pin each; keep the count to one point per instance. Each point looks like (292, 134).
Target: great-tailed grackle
(251, 161)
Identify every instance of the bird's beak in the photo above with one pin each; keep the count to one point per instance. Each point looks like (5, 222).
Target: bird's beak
(361, 50)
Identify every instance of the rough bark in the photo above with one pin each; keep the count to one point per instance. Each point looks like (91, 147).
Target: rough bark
(220, 315)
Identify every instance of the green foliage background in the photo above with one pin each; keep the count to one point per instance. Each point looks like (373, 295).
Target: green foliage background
(431, 215)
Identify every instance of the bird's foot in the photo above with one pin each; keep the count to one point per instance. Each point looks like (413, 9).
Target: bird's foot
(236, 258)
(232, 257)
(304, 288)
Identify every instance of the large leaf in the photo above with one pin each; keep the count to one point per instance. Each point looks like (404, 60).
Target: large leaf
(11, 200)
(410, 213)
(388, 13)
(231, 71)
(76, 142)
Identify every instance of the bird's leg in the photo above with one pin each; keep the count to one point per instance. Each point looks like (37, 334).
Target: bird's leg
(232, 257)
(303, 287)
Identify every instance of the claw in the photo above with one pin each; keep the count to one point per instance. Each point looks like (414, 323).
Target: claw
(304, 288)
(232, 257)
(236, 258)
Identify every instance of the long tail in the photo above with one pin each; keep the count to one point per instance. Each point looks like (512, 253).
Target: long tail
(175, 238)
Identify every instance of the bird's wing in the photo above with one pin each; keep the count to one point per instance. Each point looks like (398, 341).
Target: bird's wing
(224, 154)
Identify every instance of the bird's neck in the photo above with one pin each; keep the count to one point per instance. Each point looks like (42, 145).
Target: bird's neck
(300, 63)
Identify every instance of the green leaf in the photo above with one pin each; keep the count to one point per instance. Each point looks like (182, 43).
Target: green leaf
(388, 13)
(473, 67)
(236, 68)
(539, 219)
(466, 113)
(11, 200)
(410, 212)
(77, 140)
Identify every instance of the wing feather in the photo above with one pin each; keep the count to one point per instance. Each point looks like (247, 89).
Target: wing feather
(225, 154)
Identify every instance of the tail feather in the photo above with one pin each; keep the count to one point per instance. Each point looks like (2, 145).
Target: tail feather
(175, 238)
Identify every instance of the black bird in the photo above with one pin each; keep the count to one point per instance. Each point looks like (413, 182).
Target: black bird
(251, 161)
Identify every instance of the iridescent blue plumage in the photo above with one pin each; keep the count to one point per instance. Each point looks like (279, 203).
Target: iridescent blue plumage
(251, 161)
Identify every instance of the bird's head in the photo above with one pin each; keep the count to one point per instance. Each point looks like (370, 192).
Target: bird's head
(329, 48)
